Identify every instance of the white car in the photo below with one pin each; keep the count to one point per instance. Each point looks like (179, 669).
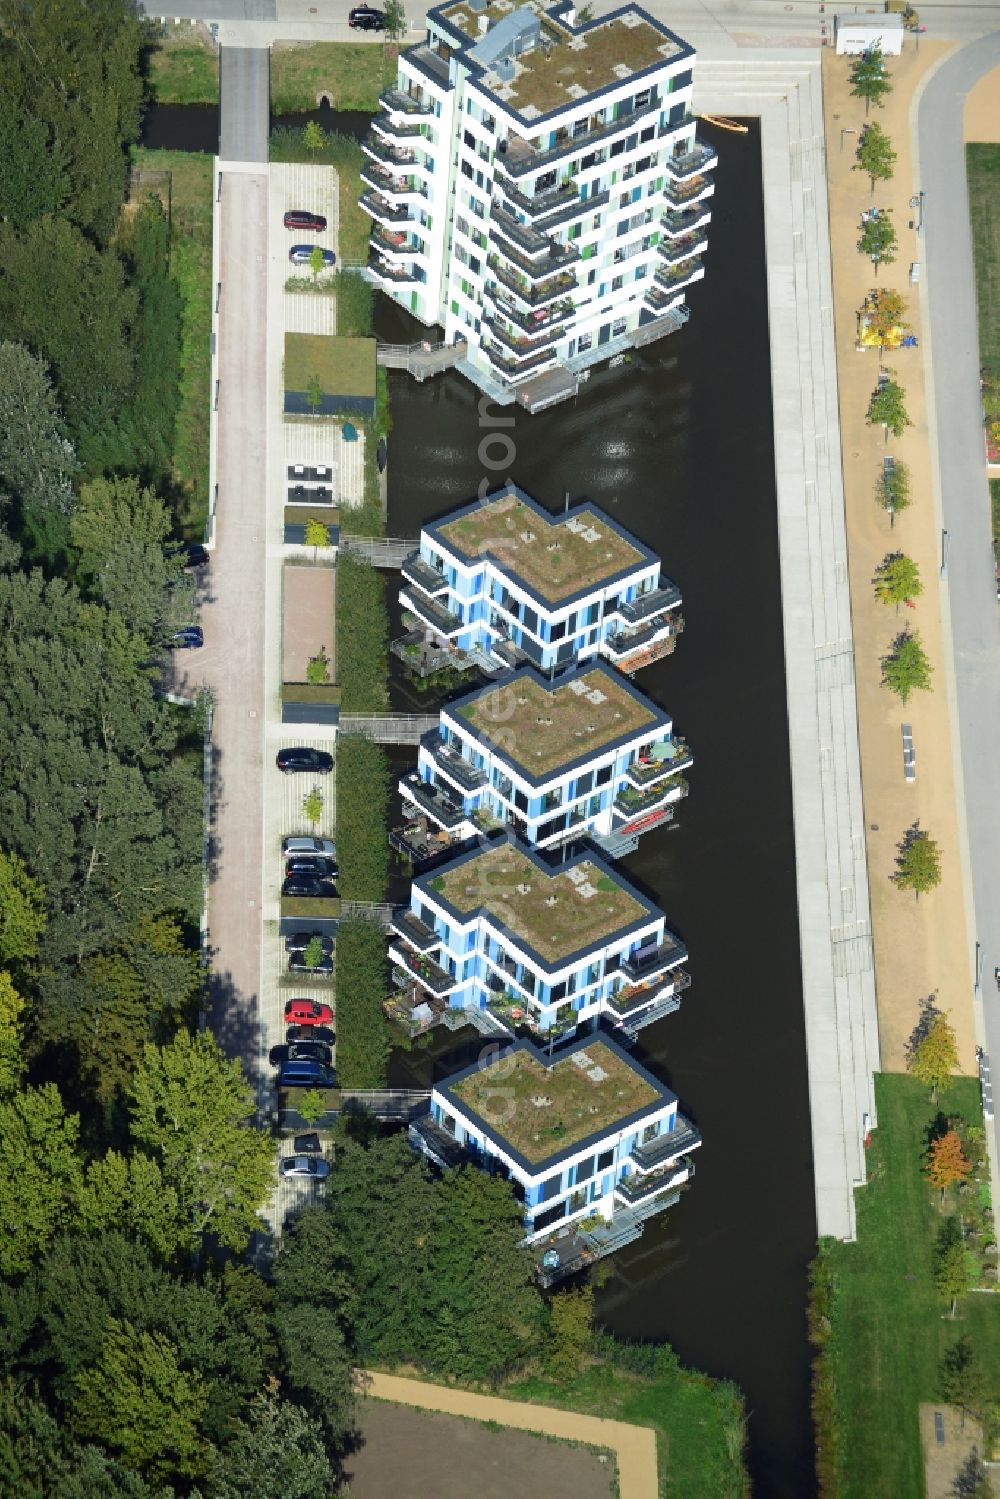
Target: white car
(304, 1165)
(296, 845)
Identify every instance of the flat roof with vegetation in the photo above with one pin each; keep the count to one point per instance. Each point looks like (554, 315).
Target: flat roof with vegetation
(555, 556)
(550, 1108)
(343, 366)
(544, 726)
(557, 914)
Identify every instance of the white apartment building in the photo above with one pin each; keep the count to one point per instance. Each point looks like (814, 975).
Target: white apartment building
(538, 190)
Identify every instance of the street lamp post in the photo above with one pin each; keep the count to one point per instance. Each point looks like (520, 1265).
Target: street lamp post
(944, 554)
(979, 970)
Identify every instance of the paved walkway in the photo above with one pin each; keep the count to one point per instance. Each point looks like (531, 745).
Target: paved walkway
(634, 1446)
(244, 102)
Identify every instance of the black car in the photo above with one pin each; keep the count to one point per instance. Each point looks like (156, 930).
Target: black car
(301, 1051)
(366, 18)
(297, 964)
(299, 941)
(300, 758)
(310, 1033)
(322, 868)
(308, 884)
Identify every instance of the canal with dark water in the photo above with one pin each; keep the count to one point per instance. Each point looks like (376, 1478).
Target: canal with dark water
(677, 446)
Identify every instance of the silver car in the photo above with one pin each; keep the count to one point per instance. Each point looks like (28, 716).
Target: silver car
(296, 845)
(304, 1165)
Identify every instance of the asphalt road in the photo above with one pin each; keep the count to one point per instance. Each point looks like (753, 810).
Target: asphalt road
(946, 252)
(244, 94)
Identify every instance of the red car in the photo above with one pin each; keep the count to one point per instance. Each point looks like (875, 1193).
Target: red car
(298, 218)
(307, 1012)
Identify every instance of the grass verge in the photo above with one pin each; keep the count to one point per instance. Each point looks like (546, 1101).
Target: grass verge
(353, 74)
(346, 155)
(995, 512)
(191, 266)
(182, 67)
(882, 1323)
(983, 171)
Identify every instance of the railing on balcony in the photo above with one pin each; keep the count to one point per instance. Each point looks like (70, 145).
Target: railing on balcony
(661, 1149)
(446, 810)
(523, 345)
(634, 997)
(392, 156)
(381, 180)
(427, 578)
(637, 1188)
(700, 158)
(626, 642)
(517, 367)
(410, 104)
(387, 126)
(683, 191)
(653, 960)
(418, 965)
(435, 615)
(417, 933)
(380, 208)
(665, 596)
(542, 291)
(632, 802)
(673, 251)
(392, 242)
(536, 263)
(539, 204)
(521, 157)
(427, 1136)
(381, 270)
(677, 221)
(676, 276)
(469, 777)
(643, 773)
(535, 321)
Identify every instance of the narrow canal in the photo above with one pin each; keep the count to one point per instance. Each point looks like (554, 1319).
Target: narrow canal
(678, 447)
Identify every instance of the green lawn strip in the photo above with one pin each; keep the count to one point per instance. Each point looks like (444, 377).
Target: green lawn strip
(183, 71)
(343, 366)
(995, 510)
(345, 154)
(362, 636)
(353, 74)
(983, 170)
(888, 1328)
(191, 265)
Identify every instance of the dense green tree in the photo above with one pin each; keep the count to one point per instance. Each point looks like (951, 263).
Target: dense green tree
(191, 1108)
(362, 636)
(40, 1460)
(905, 667)
(317, 1365)
(137, 1401)
(278, 1453)
(119, 531)
(22, 910)
(129, 1192)
(33, 176)
(74, 65)
(897, 579)
(918, 862)
(932, 1055)
(887, 408)
(878, 239)
(569, 1334)
(875, 155)
(313, 1263)
(11, 1055)
(147, 426)
(40, 1174)
(362, 808)
(961, 1378)
(869, 79)
(951, 1269)
(37, 462)
(362, 1029)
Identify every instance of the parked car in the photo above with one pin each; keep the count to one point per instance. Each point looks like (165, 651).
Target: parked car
(302, 254)
(304, 1165)
(306, 1075)
(297, 964)
(189, 638)
(299, 941)
(307, 1012)
(323, 869)
(301, 1051)
(308, 885)
(298, 757)
(300, 218)
(310, 1033)
(366, 18)
(296, 844)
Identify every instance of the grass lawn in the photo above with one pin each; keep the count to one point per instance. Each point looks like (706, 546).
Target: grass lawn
(698, 1421)
(346, 155)
(983, 168)
(995, 510)
(343, 366)
(191, 264)
(353, 74)
(888, 1328)
(183, 68)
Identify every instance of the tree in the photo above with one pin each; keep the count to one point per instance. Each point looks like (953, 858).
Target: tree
(314, 394)
(37, 462)
(918, 862)
(42, 1461)
(362, 1030)
(875, 155)
(33, 176)
(318, 668)
(947, 1162)
(972, 1481)
(887, 408)
(317, 534)
(11, 1055)
(317, 1366)
(141, 1404)
(897, 579)
(317, 260)
(314, 140)
(892, 489)
(869, 79)
(951, 1268)
(878, 238)
(22, 910)
(40, 1174)
(190, 1108)
(312, 805)
(961, 1380)
(362, 809)
(569, 1333)
(129, 1192)
(884, 311)
(119, 531)
(362, 636)
(313, 953)
(311, 1105)
(934, 1057)
(277, 1453)
(395, 20)
(905, 667)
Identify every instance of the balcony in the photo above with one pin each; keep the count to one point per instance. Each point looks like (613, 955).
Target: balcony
(627, 1003)
(681, 194)
(382, 211)
(645, 773)
(513, 367)
(534, 254)
(647, 605)
(534, 322)
(676, 221)
(652, 961)
(415, 570)
(469, 777)
(416, 932)
(537, 294)
(436, 1144)
(658, 639)
(390, 184)
(393, 130)
(434, 615)
(674, 251)
(662, 1149)
(388, 275)
(394, 100)
(428, 974)
(388, 155)
(522, 345)
(686, 164)
(446, 810)
(632, 803)
(537, 205)
(394, 243)
(674, 278)
(521, 157)
(637, 1188)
